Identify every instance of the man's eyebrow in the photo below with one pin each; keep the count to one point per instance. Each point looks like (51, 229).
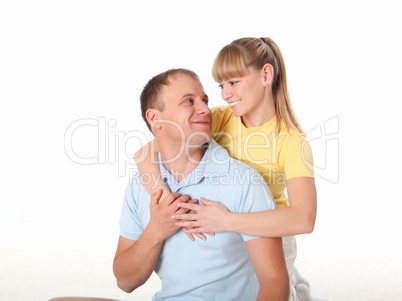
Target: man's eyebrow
(186, 95)
(191, 95)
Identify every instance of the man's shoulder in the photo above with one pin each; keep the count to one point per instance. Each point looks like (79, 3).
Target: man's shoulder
(135, 180)
(244, 173)
(135, 189)
(237, 171)
(220, 156)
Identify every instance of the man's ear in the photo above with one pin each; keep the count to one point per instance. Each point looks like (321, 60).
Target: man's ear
(152, 116)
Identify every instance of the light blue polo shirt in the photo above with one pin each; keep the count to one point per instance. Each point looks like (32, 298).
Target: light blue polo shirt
(216, 269)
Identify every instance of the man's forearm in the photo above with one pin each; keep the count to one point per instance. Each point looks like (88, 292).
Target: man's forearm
(134, 266)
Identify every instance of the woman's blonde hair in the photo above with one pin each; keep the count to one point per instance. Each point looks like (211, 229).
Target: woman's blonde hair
(235, 60)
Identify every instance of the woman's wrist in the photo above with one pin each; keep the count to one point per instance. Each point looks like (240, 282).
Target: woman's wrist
(229, 224)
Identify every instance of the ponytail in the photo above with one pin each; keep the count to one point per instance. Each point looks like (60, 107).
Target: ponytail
(283, 105)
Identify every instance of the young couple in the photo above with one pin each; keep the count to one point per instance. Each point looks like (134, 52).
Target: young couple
(250, 251)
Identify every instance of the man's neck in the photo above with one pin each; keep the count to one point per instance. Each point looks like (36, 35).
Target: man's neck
(181, 164)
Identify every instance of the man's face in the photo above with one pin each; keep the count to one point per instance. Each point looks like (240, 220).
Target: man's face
(186, 116)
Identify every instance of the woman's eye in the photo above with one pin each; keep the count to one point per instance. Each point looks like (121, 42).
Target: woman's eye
(233, 83)
(220, 86)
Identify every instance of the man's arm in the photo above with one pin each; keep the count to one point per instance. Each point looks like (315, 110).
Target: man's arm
(135, 260)
(268, 260)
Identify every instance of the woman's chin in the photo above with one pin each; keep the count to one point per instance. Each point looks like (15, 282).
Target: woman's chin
(236, 112)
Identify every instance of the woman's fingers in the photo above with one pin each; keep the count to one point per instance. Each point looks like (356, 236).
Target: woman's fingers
(183, 210)
(199, 235)
(189, 235)
(185, 216)
(190, 206)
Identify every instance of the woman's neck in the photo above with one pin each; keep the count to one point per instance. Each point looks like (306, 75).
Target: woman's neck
(261, 115)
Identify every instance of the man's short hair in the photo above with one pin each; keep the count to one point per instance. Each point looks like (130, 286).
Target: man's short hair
(150, 95)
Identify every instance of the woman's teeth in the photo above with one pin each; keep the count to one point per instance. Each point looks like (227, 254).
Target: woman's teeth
(234, 103)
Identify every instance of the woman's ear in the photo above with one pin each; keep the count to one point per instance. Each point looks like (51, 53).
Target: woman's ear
(268, 73)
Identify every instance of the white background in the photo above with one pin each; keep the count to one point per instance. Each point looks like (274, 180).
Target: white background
(63, 62)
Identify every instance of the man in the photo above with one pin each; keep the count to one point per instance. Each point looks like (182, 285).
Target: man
(228, 266)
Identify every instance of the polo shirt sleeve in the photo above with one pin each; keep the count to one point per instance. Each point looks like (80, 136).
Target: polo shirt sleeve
(131, 226)
(255, 196)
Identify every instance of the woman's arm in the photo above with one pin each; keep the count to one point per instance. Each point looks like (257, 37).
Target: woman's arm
(298, 218)
(147, 162)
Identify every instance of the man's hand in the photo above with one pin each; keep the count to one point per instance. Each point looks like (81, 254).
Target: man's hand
(170, 198)
(161, 223)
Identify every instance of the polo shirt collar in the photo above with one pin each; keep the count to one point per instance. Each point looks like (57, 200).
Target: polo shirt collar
(214, 163)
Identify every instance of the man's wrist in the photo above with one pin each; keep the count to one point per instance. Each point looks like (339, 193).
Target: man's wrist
(153, 235)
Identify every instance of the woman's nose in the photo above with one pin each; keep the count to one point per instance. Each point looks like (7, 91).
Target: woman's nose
(226, 93)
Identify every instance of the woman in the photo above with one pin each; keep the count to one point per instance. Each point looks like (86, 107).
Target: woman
(260, 129)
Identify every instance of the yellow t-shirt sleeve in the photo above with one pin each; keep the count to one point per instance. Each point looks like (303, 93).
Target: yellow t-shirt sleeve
(221, 116)
(297, 157)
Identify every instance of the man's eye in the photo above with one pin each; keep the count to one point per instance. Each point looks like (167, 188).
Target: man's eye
(190, 100)
(206, 101)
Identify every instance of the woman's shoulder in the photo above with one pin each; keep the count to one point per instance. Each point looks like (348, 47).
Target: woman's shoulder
(290, 133)
(290, 140)
(222, 115)
(224, 110)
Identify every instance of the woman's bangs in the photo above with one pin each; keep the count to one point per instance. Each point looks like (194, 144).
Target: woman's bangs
(228, 64)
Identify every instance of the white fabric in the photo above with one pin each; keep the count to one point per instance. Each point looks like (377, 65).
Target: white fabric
(299, 286)
(38, 275)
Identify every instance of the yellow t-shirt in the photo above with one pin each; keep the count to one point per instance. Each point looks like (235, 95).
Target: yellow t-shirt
(277, 160)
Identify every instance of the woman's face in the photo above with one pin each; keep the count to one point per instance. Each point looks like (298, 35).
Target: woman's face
(244, 94)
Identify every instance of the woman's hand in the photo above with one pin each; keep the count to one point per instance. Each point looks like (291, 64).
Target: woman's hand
(211, 218)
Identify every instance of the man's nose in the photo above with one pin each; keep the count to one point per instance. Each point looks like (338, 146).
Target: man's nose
(202, 107)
